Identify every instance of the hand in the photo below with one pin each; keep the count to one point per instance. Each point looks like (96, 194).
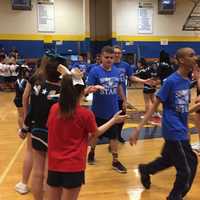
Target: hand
(93, 89)
(150, 82)
(63, 70)
(77, 73)
(118, 118)
(197, 100)
(134, 137)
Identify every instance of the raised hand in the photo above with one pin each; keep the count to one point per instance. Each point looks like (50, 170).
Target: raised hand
(93, 88)
(118, 118)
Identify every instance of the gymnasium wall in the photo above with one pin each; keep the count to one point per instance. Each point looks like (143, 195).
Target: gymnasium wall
(109, 22)
(165, 27)
(19, 28)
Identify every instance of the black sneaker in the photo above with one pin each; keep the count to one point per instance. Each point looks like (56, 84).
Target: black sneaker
(175, 198)
(119, 167)
(91, 159)
(144, 177)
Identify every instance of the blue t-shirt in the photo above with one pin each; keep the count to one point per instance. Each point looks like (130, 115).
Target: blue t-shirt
(175, 96)
(125, 71)
(89, 67)
(82, 66)
(105, 103)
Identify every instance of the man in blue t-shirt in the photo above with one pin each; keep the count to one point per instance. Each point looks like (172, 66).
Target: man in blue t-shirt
(105, 102)
(174, 94)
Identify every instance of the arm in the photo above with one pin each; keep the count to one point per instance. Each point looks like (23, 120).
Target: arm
(122, 96)
(143, 81)
(135, 134)
(117, 118)
(25, 98)
(195, 107)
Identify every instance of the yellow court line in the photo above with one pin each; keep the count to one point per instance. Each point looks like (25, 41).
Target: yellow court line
(134, 125)
(3, 176)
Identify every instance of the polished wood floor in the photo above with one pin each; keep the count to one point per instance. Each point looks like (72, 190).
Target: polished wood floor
(102, 183)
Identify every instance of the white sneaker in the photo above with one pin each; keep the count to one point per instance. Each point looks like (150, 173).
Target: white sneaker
(21, 188)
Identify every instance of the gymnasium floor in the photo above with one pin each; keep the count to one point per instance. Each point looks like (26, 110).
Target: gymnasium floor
(101, 181)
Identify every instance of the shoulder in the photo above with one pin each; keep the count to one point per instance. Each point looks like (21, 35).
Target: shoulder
(85, 113)
(172, 79)
(124, 63)
(96, 68)
(54, 107)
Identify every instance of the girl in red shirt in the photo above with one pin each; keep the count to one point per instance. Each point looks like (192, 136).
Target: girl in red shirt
(70, 126)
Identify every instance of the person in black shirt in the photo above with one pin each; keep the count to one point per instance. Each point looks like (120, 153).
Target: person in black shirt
(164, 66)
(45, 82)
(20, 84)
(147, 72)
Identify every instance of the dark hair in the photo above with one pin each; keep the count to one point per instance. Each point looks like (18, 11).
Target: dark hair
(69, 96)
(164, 57)
(23, 72)
(107, 49)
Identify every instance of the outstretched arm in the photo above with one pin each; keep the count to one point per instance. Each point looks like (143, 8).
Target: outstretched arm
(135, 133)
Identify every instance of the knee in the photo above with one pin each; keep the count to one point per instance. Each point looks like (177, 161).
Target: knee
(38, 174)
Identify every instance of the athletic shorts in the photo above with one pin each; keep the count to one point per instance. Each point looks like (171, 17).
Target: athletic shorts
(149, 91)
(66, 179)
(111, 133)
(39, 139)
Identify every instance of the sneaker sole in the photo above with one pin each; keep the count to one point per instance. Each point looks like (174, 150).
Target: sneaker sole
(20, 192)
(121, 172)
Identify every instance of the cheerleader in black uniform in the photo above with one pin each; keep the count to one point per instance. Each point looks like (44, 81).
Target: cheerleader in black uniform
(146, 72)
(23, 72)
(44, 82)
(20, 84)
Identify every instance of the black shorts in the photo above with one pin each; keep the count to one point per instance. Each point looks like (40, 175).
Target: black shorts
(39, 139)
(66, 179)
(111, 133)
(149, 91)
(18, 102)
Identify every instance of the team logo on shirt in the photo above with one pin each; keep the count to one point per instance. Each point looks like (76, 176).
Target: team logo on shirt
(37, 89)
(182, 100)
(110, 85)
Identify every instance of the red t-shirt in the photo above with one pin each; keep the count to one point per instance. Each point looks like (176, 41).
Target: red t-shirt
(68, 139)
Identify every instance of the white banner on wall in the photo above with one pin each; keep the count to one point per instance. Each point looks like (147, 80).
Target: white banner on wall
(46, 17)
(145, 20)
